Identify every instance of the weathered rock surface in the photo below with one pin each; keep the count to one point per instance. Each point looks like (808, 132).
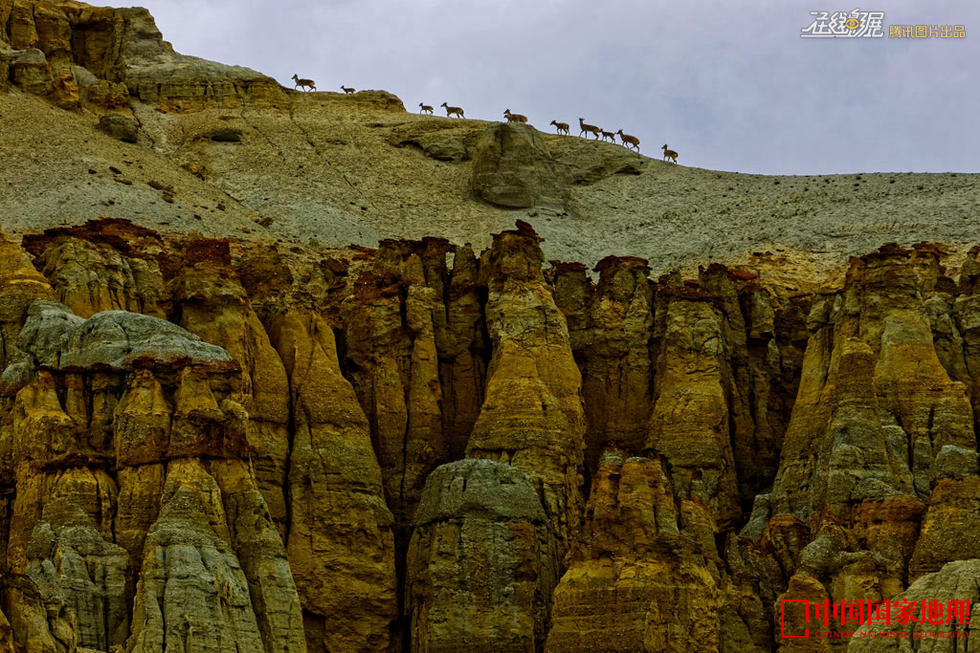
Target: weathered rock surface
(436, 140)
(897, 405)
(214, 305)
(20, 285)
(55, 338)
(582, 163)
(689, 422)
(532, 417)
(217, 444)
(150, 551)
(54, 48)
(121, 127)
(877, 472)
(628, 338)
(192, 588)
(89, 277)
(482, 562)
(391, 352)
(341, 542)
(463, 350)
(942, 604)
(639, 579)
(611, 329)
(512, 167)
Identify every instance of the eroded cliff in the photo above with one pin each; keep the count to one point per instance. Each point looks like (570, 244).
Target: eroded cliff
(261, 443)
(228, 444)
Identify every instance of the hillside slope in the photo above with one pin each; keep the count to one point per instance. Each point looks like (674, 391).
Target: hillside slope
(359, 168)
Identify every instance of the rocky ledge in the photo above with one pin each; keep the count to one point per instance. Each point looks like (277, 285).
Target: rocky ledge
(76, 54)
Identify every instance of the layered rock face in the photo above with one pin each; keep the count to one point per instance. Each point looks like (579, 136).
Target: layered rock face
(512, 167)
(209, 445)
(879, 457)
(340, 542)
(165, 492)
(643, 577)
(481, 561)
(77, 54)
(149, 550)
(532, 417)
(611, 329)
(390, 338)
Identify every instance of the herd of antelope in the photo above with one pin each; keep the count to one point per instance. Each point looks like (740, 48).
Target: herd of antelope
(628, 141)
(309, 84)
(562, 128)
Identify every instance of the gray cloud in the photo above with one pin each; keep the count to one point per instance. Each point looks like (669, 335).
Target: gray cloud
(730, 86)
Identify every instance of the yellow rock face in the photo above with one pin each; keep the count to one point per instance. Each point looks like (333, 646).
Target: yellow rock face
(368, 449)
(481, 565)
(20, 284)
(640, 580)
(341, 543)
(532, 417)
(610, 326)
(214, 306)
(120, 49)
(391, 349)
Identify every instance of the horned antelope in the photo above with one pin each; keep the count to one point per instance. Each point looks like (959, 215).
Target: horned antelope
(304, 82)
(514, 117)
(560, 127)
(610, 135)
(453, 111)
(348, 91)
(591, 129)
(629, 140)
(425, 108)
(669, 154)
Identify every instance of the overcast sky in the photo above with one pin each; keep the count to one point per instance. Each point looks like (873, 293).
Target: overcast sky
(729, 85)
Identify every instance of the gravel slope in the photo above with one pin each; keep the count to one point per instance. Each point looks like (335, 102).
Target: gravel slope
(350, 169)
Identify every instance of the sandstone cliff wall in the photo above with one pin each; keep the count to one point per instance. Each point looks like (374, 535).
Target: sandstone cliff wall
(212, 445)
(75, 54)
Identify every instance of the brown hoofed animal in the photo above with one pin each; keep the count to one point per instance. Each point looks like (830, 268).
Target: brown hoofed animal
(425, 108)
(629, 141)
(304, 82)
(348, 91)
(591, 129)
(669, 154)
(560, 127)
(453, 111)
(514, 117)
(610, 135)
